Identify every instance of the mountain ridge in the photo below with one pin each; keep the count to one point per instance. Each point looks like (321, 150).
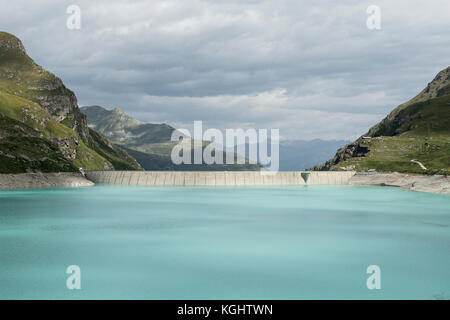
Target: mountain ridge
(121, 128)
(149, 143)
(412, 138)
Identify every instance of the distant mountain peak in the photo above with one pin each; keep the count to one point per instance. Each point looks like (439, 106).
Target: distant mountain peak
(121, 128)
(118, 110)
(150, 143)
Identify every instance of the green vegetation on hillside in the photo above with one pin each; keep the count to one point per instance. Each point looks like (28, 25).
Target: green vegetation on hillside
(394, 154)
(119, 158)
(22, 150)
(24, 154)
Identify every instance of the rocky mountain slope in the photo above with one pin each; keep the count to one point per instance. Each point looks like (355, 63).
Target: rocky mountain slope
(42, 126)
(149, 143)
(413, 138)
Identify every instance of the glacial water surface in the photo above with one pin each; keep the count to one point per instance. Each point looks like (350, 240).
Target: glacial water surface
(304, 242)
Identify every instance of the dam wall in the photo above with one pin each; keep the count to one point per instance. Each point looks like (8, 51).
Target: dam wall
(218, 178)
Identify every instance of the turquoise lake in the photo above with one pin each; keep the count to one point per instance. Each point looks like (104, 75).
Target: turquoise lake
(303, 242)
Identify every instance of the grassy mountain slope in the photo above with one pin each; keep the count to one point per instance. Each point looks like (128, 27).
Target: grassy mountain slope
(22, 149)
(38, 99)
(418, 130)
(117, 156)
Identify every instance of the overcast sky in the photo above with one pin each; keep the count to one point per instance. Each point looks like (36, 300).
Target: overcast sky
(310, 68)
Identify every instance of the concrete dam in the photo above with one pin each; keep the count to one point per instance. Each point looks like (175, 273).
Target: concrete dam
(218, 178)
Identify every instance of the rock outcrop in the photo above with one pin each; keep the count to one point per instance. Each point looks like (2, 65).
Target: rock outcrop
(351, 150)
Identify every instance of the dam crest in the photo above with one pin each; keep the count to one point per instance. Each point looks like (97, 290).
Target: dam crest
(219, 178)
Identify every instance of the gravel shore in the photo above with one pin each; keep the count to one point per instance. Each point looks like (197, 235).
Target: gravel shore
(415, 182)
(43, 180)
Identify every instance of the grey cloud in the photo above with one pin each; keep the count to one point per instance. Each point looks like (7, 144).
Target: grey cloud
(311, 68)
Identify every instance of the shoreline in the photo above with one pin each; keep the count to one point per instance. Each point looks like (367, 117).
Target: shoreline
(438, 184)
(18, 181)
